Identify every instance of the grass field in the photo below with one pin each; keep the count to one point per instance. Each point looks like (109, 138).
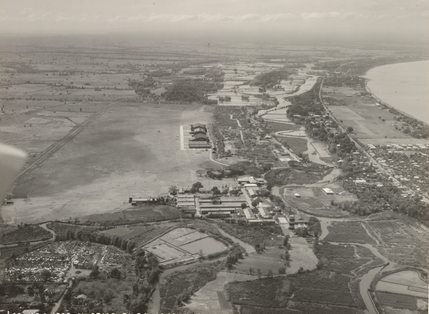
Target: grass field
(298, 145)
(275, 127)
(267, 292)
(268, 260)
(316, 202)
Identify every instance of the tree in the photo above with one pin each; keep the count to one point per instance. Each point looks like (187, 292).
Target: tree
(94, 274)
(30, 291)
(243, 205)
(115, 273)
(173, 190)
(349, 129)
(282, 270)
(287, 255)
(286, 240)
(45, 274)
(302, 232)
(270, 273)
(196, 187)
(215, 190)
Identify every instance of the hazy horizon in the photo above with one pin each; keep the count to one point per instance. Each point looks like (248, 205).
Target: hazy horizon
(306, 20)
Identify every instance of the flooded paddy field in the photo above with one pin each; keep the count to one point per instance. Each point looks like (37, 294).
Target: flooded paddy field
(184, 244)
(402, 290)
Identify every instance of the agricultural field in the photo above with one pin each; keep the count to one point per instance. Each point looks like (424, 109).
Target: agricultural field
(140, 233)
(184, 244)
(331, 288)
(267, 292)
(348, 232)
(271, 235)
(261, 263)
(360, 112)
(400, 243)
(399, 301)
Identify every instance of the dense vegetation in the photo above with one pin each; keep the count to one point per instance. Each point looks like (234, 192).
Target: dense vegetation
(25, 233)
(340, 80)
(192, 91)
(130, 292)
(178, 287)
(306, 103)
(256, 235)
(89, 234)
(270, 79)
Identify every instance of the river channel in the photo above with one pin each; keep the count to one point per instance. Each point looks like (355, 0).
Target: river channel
(155, 302)
(365, 280)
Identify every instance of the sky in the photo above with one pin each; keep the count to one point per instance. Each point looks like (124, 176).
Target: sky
(394, 19)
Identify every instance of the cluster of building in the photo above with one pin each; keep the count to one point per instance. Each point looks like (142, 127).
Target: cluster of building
(408, 166)
(241, 201)
(57, 258)
(213, 206)
(28, 267)
(200, 138)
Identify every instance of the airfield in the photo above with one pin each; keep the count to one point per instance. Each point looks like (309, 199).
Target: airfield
(125, 150)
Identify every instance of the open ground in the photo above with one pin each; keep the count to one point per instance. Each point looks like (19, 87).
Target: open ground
(313, 200)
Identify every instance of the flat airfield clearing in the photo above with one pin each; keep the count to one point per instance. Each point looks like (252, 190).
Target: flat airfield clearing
(130, 150)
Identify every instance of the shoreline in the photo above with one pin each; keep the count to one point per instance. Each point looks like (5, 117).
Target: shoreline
(385, 103)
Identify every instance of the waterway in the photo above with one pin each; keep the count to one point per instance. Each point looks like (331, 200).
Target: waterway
(155, 302)
(404, 86)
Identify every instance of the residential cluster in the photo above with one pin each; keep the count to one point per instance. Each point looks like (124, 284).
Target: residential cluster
(407, 164)
(52, 262)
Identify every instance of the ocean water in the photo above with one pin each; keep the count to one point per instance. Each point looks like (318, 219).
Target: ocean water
(404, 86)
